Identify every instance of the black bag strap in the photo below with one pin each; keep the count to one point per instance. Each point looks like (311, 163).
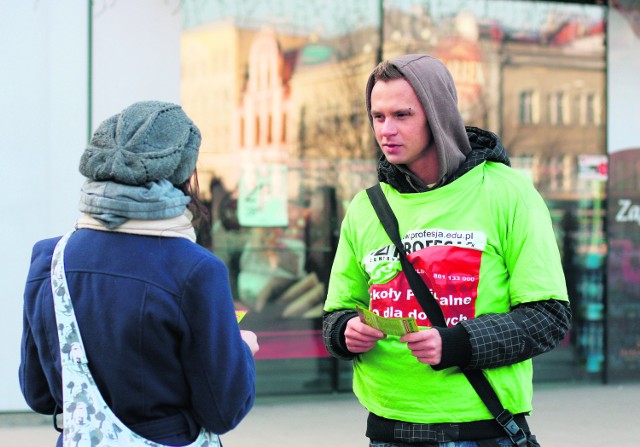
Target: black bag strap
(433, 310)
(420, 289)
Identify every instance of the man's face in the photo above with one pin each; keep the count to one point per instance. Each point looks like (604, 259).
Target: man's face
(400, 124)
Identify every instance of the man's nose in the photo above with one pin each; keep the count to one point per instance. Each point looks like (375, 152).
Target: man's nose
(388, 128)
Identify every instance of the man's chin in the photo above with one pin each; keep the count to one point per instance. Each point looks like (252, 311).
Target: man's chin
(395, 159)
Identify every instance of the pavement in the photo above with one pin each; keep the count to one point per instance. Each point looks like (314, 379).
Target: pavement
(565, 415)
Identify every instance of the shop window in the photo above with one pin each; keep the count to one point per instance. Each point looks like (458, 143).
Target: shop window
(280, 272)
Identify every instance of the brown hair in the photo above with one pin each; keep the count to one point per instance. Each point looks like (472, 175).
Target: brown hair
(191, 188)
(386, 71)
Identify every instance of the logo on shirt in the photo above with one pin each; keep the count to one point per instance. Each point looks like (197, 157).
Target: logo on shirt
(448, 262)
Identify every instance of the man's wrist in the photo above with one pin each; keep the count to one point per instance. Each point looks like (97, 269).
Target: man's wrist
(334, 326)
(456, 347)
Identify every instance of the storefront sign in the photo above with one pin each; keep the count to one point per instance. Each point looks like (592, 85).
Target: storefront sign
(592, 167)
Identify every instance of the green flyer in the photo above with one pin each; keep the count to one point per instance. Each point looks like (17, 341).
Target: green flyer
(390, 326)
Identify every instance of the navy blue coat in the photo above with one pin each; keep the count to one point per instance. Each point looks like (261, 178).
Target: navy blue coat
(157, 320)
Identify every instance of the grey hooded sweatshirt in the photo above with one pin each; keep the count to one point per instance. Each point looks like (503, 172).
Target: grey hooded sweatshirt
(459, 148)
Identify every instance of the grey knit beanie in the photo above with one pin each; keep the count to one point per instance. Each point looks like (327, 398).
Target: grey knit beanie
(146, 142)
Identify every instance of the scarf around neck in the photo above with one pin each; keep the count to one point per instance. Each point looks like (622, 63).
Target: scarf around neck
(179, 226)
(112, 204)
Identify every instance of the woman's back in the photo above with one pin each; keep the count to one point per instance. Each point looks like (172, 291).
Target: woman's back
(157, 320)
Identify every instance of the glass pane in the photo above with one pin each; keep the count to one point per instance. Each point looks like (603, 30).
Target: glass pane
(255, 69)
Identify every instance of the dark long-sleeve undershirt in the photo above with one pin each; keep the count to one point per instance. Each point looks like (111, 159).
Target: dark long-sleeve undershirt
(488, 341)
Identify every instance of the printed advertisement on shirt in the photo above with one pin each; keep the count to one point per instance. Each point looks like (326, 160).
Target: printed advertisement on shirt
(448, 262)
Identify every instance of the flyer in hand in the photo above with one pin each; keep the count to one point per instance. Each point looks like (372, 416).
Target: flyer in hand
(390, 326)
(240, 315)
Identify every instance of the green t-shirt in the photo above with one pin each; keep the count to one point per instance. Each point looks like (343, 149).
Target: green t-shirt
(483, 244)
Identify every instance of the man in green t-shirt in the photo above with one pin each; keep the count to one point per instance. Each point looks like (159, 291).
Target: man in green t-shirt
(479, 235)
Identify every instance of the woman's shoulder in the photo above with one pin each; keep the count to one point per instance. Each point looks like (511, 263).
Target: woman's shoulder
(41, 255)
(137, 255)
(188, 257)
(45, 245)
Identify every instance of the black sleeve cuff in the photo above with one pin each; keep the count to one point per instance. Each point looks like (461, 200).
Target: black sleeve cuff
(456, 347)
(333, 326)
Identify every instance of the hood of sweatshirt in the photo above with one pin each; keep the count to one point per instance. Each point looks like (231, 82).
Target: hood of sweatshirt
(436, 91)
(485, 146)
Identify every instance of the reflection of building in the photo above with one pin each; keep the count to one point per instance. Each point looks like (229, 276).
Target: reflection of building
(542, 91)
(552, 124)
(277, 263)
(331, 142)
(267, 97)
(215, 71)
(553, 108)
(261, 123)
(214, 60)
(295, 105)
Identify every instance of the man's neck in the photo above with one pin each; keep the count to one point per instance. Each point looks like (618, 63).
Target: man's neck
(415, 182)
(427, 168)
